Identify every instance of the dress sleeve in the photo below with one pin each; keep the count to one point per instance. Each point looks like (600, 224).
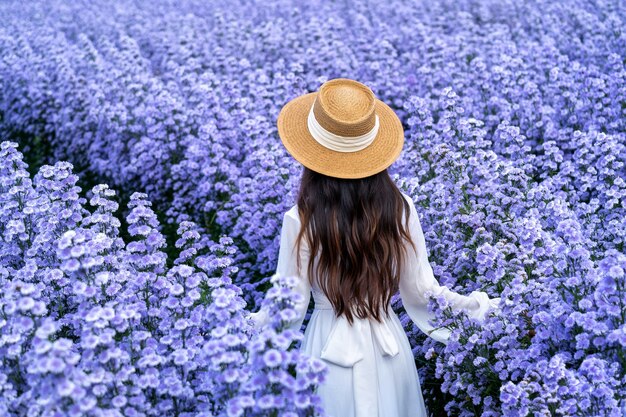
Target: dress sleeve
(286, 267)
(417, 277)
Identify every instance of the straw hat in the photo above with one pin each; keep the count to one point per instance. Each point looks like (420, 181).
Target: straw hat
(342, 130)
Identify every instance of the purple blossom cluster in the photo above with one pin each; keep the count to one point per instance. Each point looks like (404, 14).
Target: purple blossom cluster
(515, 145)
(279, 368)
(537, 246)
(92, 324)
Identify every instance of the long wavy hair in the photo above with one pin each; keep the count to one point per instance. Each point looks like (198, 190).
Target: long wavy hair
(355, 225)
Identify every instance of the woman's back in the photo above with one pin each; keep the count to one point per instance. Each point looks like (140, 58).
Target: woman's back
(353, 240)
(371, 366)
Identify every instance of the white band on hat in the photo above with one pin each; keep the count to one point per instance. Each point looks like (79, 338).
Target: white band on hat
(340, 143)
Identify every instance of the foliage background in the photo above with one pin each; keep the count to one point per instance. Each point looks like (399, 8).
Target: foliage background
(514, 155)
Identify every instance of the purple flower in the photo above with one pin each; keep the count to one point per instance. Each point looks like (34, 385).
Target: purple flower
(272, 358)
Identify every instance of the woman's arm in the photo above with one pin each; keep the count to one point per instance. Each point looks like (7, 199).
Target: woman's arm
(287, 267)
(417, 277)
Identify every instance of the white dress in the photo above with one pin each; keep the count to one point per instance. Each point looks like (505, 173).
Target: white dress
(372, 370)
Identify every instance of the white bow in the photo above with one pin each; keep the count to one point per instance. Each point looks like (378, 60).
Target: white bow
(351, 346)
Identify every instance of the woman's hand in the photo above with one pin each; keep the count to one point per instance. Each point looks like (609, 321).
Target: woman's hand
(259, 319)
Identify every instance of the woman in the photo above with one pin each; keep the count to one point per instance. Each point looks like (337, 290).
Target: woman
(354, 240)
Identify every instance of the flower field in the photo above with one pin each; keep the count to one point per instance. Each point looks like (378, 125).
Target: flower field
(143, 183)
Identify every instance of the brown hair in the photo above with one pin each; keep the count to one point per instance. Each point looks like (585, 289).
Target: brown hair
(356, 227)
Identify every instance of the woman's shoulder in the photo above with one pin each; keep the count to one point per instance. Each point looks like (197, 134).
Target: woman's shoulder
(406, 197)
(293, 212)
(409, 200)
(292, 221)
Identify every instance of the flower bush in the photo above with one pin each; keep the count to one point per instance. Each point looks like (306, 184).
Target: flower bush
(519, 236)
(92, 324)
(514, 117)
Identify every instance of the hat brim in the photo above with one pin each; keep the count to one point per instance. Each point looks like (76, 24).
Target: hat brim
(379, 155)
